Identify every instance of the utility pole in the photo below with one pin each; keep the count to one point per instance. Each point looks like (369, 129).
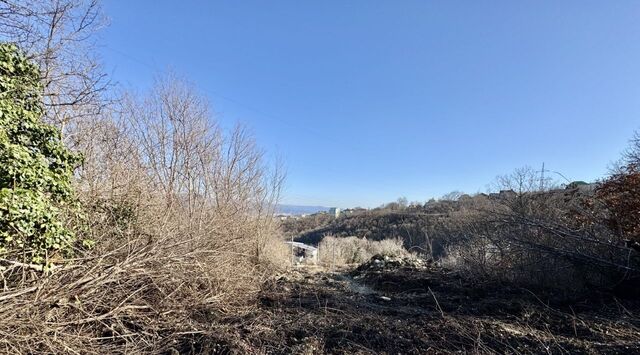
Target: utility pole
(542, 178)
(293, 258)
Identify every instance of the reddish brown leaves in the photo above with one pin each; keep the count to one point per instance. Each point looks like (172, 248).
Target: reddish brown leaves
(621, 194)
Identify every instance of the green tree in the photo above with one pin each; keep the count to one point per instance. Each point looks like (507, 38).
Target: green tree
(35, 167)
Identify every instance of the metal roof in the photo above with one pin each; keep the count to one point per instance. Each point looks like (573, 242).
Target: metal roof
(302, 245)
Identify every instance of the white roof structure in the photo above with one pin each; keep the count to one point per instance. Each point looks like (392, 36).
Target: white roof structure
(302, 246)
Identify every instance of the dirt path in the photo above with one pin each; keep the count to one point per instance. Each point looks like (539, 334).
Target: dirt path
(332, 312)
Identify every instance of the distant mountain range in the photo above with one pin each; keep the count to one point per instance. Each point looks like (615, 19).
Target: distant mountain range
(296, 210)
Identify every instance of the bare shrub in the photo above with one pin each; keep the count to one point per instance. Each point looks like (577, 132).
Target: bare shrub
(631, 156)
(552, 238)
(180, 211)
(144, 296)
(182, 217)
(354, 250)
(164, 156)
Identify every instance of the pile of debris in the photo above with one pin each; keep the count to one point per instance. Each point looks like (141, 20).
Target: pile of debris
(379, 263)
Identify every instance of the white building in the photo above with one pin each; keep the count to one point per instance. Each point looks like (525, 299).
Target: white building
(334, 211)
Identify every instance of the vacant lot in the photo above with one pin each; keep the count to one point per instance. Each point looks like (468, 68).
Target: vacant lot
(425, 309)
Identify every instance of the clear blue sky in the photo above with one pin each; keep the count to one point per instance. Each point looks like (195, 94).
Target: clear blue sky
(367, 101)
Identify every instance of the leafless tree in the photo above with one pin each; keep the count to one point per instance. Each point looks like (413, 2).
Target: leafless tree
(181, 211)
(521, 181)
(631, 156)
(452, 196)
(205, 177)
(402, 202)
(526, 233)
(60, 36)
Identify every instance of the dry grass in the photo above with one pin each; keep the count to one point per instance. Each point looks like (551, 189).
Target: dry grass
(354, 250)
(145, 288)
(141, 297)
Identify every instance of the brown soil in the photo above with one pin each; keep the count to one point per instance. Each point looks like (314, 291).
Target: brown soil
(428, 310)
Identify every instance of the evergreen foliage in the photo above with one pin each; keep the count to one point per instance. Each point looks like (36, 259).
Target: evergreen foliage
(35, 167)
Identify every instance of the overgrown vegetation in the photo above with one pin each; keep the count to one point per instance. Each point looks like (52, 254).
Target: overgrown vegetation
(530, 231)
(35, 168)
(133, 223)
(178, 230)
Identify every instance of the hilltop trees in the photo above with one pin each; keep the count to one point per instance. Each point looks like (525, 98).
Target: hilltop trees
(452, 196)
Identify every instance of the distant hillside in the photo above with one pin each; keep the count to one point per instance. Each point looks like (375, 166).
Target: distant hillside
(433, 226)
(296, 210)
(413, 226)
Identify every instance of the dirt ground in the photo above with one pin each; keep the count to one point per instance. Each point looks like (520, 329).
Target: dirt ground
(426, 310)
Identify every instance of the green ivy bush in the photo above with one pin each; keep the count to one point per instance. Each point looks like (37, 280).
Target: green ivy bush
(36, 168)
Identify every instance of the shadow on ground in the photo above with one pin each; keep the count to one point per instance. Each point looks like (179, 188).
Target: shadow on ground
(423, 310)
